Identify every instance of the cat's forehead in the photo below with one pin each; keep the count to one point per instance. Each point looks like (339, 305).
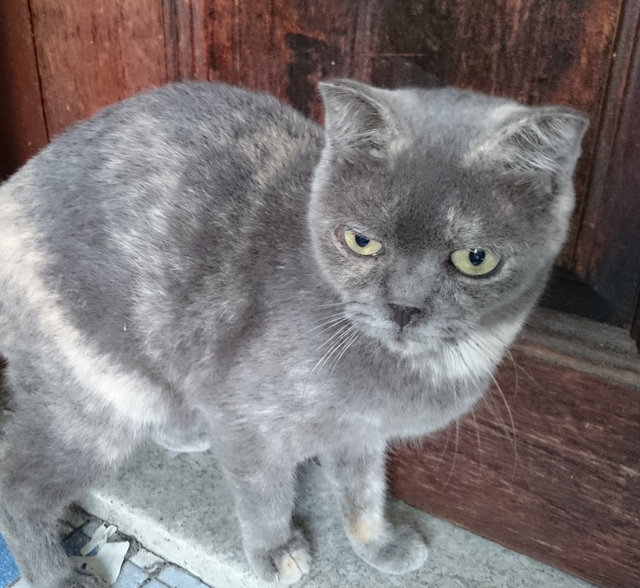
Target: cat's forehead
(432, 201)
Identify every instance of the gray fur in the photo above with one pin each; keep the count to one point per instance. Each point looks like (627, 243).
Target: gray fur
(175, 269)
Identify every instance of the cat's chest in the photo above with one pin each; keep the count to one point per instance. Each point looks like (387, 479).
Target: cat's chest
(388, 398)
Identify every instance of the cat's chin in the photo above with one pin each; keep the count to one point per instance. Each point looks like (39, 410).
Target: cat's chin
(409, 344)
(411, 347)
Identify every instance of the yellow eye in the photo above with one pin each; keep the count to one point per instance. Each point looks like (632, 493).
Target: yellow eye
(360, 244)
(474, 262)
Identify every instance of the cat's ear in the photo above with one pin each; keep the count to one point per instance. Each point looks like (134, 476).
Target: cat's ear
(357, 121)
(534, 140)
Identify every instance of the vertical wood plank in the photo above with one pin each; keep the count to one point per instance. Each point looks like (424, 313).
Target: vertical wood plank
(22, 124)
(280, 46)
(93, 54)
(186, 27)
(609, 238)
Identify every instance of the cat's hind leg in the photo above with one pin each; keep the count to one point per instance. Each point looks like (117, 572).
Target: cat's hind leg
(45, 463)
(37, 482)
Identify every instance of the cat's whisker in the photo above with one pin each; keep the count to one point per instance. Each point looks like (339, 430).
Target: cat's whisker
(501, 393)
(345, 335)
(510, 414)
(477, 429)
(338, 334)
(446, 443)
(341, 334)
(327, 354)
(328, 324)
(349, 343)
(344, 345)
(524, 371)
(333, 304)
(346, 219)
(455, 454)
(515, 373)
(489, 400)
(329, 317)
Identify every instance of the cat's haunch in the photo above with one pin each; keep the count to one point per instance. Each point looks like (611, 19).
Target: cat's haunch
(202, 266)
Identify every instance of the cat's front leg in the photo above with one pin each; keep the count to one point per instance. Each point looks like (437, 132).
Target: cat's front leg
(264, 498)
(358, 479)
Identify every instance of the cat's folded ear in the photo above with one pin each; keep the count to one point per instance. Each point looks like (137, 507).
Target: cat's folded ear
(534, 140)
(358, 123)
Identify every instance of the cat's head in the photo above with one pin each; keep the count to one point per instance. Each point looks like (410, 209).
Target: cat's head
(438, 213)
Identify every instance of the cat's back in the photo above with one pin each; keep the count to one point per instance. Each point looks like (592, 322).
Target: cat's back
(145, 196)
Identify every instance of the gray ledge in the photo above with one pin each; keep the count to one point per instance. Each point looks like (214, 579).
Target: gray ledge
(178, 506)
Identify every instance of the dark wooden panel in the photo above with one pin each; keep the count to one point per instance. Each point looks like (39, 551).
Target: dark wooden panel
(22, 125)
(609, 240)
(280, 46)
(635, 327)
(556, 476)
(93, 54)
(187, 26)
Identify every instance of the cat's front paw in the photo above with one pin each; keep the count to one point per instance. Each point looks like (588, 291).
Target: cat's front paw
(286, 564)
(398, 550)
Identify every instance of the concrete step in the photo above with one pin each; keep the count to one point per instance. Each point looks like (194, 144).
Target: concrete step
(178, 506)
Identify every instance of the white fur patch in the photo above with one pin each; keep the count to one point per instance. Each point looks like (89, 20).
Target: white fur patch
(472, 358)
(133, 397)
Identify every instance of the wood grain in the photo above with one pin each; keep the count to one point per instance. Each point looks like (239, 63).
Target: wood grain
(609, 231)
(281, 46)
(94, 54)
(555, 476)
(22, 125)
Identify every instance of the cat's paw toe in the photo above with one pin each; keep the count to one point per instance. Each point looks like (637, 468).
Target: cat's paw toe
(292, 566)
(401, 551)
(286, 564)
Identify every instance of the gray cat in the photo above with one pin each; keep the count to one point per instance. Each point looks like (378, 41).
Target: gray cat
(202, 266)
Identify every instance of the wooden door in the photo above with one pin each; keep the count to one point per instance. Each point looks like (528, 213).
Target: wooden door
(555, 474)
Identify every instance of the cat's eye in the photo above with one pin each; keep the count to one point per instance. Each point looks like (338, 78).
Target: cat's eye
(360, 244)
(475, 262)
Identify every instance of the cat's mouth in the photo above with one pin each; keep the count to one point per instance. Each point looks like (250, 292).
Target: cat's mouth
(415, 337)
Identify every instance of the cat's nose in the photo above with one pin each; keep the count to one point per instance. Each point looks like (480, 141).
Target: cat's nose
(403, 314)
